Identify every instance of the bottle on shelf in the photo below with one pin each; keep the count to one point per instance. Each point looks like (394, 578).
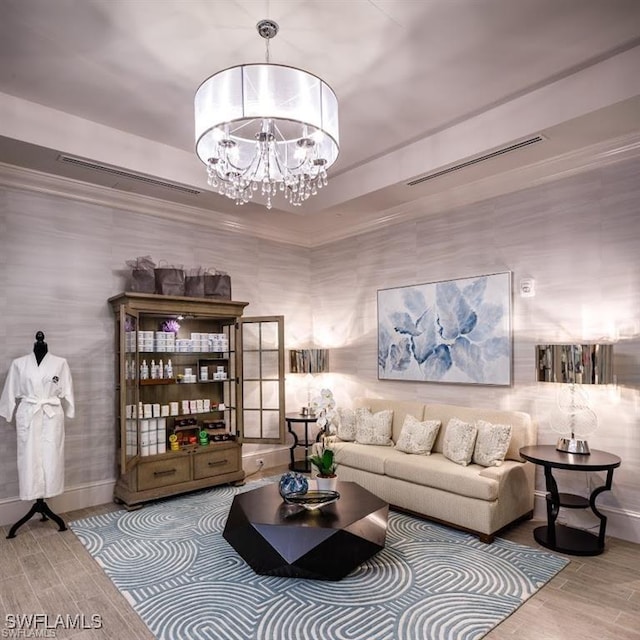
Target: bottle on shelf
(144, 370)
(160, 370)
(168, 371)
(154, 370)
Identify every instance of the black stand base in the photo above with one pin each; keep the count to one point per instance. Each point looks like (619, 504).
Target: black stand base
(39, 506)
(575, 542)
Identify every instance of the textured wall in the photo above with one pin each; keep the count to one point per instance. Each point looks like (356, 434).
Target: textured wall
(60, 260)
(579, 238)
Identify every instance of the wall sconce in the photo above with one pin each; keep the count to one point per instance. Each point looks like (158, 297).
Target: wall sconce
(575, 364)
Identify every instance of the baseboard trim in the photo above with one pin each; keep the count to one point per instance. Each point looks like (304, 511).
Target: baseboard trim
(80, 497)
(91, 495)
(273, 458)
(620, 523)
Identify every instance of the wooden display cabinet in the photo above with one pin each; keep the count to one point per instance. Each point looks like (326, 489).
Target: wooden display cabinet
(204, 387)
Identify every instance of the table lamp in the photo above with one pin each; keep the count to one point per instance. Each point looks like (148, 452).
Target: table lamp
(309, 362)
(574, 365)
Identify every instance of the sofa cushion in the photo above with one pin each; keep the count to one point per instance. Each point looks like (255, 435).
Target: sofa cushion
(492, 443)
(365, 457)
(400, 410)
(459, 441)
(440, 473)
(346, 424)
(373, 428)
(417, 437)
(523, 428)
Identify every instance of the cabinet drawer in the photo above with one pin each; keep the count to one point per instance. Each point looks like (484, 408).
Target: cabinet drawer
(213, 463)
(162, 473)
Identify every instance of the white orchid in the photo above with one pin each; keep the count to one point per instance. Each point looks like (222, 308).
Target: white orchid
(324, 406)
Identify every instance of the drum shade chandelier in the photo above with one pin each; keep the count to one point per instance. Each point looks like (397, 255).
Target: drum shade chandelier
(266, 128)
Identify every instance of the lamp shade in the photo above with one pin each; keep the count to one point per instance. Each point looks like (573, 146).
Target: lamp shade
(233, 103)
(575, 363)
(309, 360)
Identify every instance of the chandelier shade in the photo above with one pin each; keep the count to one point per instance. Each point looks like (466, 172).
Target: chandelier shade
(266, 128)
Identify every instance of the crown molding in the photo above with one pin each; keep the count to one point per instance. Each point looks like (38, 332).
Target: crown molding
(23, 179)
(517, 179)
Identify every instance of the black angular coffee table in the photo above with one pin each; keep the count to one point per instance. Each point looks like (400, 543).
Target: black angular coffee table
(277, 539)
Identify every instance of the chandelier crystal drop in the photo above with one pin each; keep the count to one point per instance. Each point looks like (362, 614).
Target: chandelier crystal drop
(266, 128)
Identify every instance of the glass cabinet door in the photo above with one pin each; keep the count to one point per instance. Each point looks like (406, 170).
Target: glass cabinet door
(263, 403)
(230, 388)
(128, 388)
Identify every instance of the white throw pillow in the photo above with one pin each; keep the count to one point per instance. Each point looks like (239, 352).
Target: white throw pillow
(459, 441)
(417, 437)
(374, 428)
(492, 443)
(346, 424)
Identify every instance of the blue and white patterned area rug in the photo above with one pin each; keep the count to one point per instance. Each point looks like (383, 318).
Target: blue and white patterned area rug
(187, 583)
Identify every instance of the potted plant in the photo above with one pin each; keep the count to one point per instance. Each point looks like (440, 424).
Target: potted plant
(325, 464)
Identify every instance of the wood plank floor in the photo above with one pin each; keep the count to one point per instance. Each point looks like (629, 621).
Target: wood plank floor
(46, 571)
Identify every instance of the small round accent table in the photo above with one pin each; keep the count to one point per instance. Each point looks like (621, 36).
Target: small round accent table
(303, 466)
(559, 537)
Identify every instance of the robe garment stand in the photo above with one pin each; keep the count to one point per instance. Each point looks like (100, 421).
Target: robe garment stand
(39, 506)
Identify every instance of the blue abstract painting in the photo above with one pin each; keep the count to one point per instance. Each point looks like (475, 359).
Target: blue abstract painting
(454, 331)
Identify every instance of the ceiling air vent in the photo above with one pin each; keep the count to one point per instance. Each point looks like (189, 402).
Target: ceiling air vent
(468, 163)
(115, 171)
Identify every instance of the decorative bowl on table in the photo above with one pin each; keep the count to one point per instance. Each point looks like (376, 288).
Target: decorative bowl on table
(312, 499)
(292, 483)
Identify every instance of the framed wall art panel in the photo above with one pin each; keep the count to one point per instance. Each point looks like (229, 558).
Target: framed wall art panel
(453, 331)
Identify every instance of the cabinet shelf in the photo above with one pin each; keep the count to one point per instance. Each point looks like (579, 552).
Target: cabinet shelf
(155, 381)
(183, 416)
(189, 448)
(211, 355)
(151, 382)
(203, 381)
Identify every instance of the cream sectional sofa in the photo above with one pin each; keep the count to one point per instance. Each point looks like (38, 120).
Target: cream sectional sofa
(481, 500)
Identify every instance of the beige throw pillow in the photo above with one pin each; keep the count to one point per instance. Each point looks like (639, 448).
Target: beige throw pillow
(374, 428)
(492, 443)
(417, 437)
(346, 424)
(459, 441)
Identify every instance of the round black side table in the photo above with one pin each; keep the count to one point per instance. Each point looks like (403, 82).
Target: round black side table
(303, 466)
(559, 537)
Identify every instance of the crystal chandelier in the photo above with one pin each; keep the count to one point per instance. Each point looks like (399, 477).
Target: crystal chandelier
(266, 128)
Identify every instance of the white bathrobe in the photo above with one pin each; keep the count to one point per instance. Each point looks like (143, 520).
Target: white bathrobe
(39, 421)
